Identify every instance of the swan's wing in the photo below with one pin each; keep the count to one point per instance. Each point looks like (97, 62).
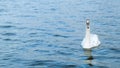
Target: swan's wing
(94, 40)
(85, 44)
(83, 41)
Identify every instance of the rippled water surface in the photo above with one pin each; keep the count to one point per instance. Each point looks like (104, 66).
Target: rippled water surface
(48, 33)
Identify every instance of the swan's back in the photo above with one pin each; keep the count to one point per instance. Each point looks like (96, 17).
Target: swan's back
(94, 41)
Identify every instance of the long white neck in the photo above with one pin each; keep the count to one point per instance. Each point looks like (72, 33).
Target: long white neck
(87, 35)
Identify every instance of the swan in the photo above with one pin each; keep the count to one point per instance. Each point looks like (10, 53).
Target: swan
(90, 40)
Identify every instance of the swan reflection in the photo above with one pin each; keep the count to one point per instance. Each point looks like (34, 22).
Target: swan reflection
(90, 57)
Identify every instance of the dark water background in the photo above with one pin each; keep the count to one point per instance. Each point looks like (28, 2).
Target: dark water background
(48, 33)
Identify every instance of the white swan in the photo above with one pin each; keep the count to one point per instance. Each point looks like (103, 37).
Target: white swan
(90, 40)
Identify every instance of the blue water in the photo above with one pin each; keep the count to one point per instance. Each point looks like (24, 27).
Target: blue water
(48, 33)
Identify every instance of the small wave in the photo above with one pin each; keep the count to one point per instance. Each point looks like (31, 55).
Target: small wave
(7, 39)
(10, 39)
(56, 35)
(3, 10)
(6, 26)
(26, 16)
(9, 34)
(41, 51)
(53, 9)
(116, 50)
(65, 29)
(41, 62)
(63, 53)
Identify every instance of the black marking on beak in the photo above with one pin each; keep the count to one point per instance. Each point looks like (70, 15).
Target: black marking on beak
(88, 23)
(88, 26)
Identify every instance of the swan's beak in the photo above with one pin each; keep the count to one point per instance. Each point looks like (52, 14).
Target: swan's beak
(88, 23)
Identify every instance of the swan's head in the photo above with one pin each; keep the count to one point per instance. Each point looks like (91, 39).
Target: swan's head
(88, 23)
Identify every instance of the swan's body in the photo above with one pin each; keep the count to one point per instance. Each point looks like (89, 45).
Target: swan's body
(90, 40)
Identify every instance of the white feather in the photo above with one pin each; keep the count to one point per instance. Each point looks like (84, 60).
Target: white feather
(90, 40)
(94, 42)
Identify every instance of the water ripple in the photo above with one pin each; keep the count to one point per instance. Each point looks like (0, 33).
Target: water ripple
(6, 26)
(65, 29)
(41, 62)
(9, 34)
(63, 53)
(56, 35)
(48, 33)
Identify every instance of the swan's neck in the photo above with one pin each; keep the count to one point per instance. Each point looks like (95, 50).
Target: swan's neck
(87, 35)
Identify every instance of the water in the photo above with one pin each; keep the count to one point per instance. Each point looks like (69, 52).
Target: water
(48, 33)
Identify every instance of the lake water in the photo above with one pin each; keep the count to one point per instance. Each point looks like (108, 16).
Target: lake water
(48, 33)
